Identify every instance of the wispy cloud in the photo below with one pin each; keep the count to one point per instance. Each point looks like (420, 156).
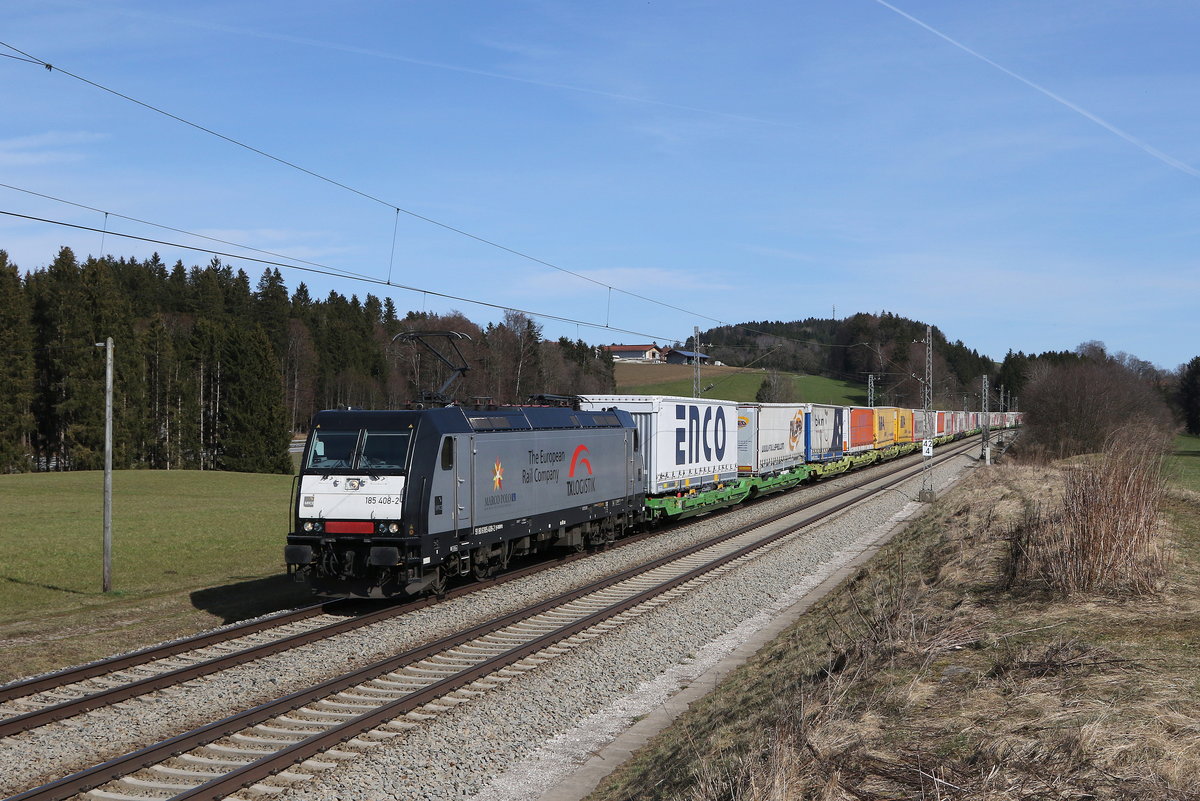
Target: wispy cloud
(450, 67)
(52, 147)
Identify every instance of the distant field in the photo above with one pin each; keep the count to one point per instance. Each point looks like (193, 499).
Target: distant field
(730, 383)
(190, 550)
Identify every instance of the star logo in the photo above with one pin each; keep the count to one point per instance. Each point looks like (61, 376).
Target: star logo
(498, 476)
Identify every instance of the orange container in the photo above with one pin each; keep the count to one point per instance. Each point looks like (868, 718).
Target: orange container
(862, 429)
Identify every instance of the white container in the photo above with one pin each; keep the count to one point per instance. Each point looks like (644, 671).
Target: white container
(825, 432)
(685, 443)
(920, 430)
(770, 437)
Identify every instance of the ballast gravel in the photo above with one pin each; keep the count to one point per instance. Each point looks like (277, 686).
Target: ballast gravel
(462, 751)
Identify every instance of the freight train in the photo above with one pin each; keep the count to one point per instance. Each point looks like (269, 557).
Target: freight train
(398, 503)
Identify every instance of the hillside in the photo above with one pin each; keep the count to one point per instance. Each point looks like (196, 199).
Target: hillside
(730, 383)
(884, 344)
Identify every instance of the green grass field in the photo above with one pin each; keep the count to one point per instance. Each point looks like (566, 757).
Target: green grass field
(172, 530)
(190, 550)
(731, 384)
(1183, 465)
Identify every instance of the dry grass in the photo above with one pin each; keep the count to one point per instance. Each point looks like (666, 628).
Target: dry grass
(925, 678)
(1104, 536)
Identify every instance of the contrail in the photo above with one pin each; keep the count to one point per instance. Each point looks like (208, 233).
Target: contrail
(1108, 126)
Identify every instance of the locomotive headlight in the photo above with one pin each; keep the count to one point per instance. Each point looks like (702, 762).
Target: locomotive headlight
(308, 525)
(353, 483)
(381, 527)
(393, 527)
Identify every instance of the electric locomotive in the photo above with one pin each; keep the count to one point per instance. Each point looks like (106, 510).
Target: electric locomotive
(397, 502)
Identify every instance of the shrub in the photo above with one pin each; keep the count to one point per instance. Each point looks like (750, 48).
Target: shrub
(1073, 408)
(1105, 536)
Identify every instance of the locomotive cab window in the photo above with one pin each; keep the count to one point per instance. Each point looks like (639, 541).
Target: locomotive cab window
(349, 451)
(384, 450)
(447, 453)
(332, 450)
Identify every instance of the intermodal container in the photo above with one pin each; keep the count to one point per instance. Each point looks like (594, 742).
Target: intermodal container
(824, 432)
(885, 426)
(920, 430)
(771, 437)
(685, 443)
(904, 425)
(862, 429)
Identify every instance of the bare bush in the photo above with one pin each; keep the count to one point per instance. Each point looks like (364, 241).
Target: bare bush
(1105, 536)
(1072, 409)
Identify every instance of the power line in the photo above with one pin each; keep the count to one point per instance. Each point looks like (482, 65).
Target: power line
(28, 58)
(365, 280)
(399, 210)
(336, 271)
(348, 273)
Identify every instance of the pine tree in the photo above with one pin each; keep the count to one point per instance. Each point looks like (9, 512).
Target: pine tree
(109, 313)
(271, 309)
(160, 445)
(16, 371)
(206, 351)
(69, 405)
(254, 436)
(1189, 395)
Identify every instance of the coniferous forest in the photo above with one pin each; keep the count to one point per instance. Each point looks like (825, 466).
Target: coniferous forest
(214, 372)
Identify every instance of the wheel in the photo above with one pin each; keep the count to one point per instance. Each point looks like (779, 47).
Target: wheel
(481, 565)
(437, 586)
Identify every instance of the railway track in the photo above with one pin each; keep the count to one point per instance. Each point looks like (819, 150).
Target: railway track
(312, 729)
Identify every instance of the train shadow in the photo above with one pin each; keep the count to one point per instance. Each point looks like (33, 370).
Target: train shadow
(247, 599)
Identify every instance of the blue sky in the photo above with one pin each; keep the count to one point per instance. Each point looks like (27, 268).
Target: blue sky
(1026, 175)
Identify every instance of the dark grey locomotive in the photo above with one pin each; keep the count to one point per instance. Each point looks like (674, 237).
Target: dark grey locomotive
(397, 502)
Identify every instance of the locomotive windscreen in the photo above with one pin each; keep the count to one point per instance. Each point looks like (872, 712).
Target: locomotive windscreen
(363, 450)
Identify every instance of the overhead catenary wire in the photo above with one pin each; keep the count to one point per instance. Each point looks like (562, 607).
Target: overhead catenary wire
(314, 270)
(366, 195)
(338, 270)
(320, 269)
(29, 58)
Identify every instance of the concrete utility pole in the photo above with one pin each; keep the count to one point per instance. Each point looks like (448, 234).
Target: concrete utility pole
(107, 344)
(696, 361)
(987, 445)
(927, 494)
